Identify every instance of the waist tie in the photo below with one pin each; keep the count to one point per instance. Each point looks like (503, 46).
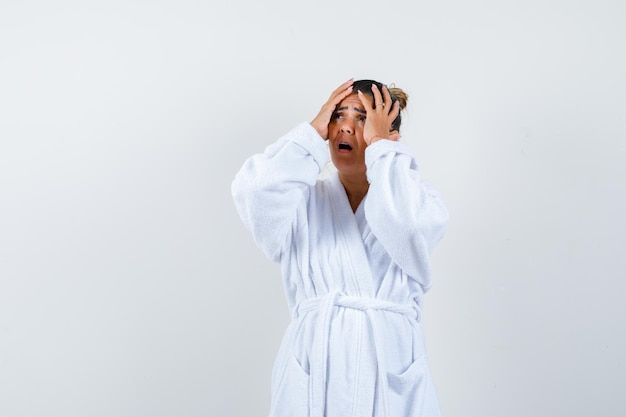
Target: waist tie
(319, 352)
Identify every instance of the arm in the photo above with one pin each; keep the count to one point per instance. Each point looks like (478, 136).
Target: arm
(405, 214)
(270, 186)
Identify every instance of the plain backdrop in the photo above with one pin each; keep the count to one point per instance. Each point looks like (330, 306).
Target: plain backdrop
(130, 288)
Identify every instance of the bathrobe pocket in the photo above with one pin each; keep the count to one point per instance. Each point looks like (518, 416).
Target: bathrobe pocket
(411, 393)
(292, 395)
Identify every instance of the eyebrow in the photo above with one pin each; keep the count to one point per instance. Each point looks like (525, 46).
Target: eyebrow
(356, 109)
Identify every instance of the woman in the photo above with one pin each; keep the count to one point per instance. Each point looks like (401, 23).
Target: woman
(354, 251)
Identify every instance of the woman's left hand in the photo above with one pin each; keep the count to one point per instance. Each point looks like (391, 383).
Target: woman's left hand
(380, 115)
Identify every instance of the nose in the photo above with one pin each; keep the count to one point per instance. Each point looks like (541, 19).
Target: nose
(347, 126)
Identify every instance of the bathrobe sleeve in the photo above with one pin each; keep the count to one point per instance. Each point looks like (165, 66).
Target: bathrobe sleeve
(270, 187)
(406, 214)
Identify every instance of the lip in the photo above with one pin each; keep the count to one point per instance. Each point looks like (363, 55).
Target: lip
(344, 142)
(343, 150)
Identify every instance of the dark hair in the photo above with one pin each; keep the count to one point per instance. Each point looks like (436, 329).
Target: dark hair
(397, 94)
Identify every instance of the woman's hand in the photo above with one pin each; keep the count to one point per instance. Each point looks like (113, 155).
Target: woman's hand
(380, 115)
(321, 121)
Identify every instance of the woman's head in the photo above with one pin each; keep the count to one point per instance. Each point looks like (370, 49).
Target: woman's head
(345, 129)
(365, 86)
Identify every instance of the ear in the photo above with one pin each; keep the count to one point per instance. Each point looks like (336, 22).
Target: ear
(394, 135)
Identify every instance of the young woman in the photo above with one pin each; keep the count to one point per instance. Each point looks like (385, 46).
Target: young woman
(354, 251)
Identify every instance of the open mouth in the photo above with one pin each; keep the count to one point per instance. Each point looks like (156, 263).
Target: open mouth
(345, 146)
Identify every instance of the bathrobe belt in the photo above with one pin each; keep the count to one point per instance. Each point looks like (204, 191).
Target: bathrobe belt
(319, 353)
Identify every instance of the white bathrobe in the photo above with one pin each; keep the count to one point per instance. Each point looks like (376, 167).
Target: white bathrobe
(354, 281)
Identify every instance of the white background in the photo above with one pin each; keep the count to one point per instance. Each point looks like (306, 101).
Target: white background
(129, 286)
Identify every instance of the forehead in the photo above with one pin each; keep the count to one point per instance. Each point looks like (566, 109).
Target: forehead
(350, 103)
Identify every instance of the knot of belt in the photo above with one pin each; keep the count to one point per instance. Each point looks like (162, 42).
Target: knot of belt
(319, 352)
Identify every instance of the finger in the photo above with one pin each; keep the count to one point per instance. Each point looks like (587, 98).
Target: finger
(342, 94)
(395, 110)
(345, 85)
(378, 99)
(366, 101)
(339, 94)
(342, 88)
(394, 135)
(387, 97)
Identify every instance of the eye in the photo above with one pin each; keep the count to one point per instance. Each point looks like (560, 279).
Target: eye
(338, 116)
(361, 118)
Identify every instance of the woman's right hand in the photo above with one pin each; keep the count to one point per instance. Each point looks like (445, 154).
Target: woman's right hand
(321, 121)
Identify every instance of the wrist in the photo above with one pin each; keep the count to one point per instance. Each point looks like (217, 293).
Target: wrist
(323, 134)
(374, 138)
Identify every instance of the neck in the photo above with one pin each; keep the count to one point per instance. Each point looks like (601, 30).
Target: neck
(356, 187)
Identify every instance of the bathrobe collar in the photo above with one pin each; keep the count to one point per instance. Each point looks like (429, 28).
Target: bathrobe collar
(360, 283)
